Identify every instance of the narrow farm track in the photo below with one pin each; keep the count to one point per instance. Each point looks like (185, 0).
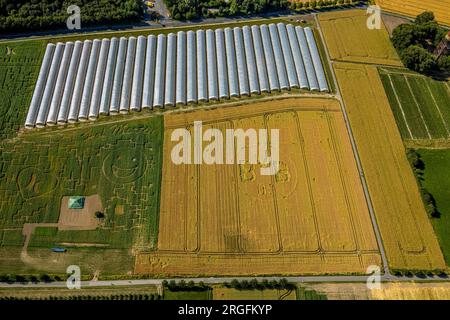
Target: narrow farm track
(355, 151)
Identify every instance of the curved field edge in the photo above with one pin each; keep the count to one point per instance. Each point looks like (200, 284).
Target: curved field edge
(407, 234)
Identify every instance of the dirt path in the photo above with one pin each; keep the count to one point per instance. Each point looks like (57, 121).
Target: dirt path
(27, 231)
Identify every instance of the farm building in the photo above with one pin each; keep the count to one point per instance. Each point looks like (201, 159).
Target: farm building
(82, 80)
(76, 203)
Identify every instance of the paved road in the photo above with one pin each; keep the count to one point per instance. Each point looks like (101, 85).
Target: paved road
(218, 280)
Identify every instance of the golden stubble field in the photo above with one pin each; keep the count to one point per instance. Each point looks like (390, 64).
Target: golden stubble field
(349, 39)
(412, 8)
(388, 291)
(407, 233)
(310, 218)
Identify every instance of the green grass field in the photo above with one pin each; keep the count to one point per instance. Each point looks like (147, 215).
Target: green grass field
(120, 162)
(187, 295)
(19, 68)
(308, 294)
(437, 182)
(421, 105)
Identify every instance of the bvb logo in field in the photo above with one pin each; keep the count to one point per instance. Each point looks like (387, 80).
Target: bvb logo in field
(33, 182)
(125, 164)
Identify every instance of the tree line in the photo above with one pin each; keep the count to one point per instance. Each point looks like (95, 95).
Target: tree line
(140, 296)
(418, 167)
(28, 15)
(194, 9)
(415, 42)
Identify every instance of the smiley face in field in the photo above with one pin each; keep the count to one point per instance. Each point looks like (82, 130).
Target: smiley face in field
(124, 164)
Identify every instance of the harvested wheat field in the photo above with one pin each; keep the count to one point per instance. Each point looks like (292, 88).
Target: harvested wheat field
(348, 38)
(388, 291)
(309, 218)
(412, 8)
(407, 233)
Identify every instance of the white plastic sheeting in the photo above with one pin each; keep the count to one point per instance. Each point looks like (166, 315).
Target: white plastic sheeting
(79, 81)
(40, 86)
(309, 66)
(251, 61)
(138, 75)
(105, 99)
(244, 89)
(160, 71)
(180, 97)
(270, 58)
(260, 60)
(118, 77)
(211, 58)
(202, 75)
(128, 76)
(52, 116)
(70, 83)
(297, 54)
(287, 55)
(49, 88)
(222, 73)
(231, 63)
(279, 58)
(191, 68)
(89, 81)
(318, 68)
(169, 98)
(99, 80)
(149, 73)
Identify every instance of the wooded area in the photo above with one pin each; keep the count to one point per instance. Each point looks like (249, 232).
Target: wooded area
(28, 15)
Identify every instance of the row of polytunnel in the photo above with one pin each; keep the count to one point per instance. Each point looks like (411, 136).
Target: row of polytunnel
(78, 81)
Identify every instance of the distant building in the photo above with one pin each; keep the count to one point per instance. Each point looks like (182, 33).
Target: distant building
(76, 203)
(443, 48)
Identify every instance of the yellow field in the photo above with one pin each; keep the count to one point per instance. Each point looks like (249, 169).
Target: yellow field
(412, 8)
(388, 291)
(348, 38)
(267, 294)
(310, 218)
(407, 234)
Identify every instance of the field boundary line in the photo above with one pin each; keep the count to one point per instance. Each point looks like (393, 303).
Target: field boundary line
(417, 105)
(272, 179)
(308, 179)
(400, 105)
(337, 157)
(438, 109)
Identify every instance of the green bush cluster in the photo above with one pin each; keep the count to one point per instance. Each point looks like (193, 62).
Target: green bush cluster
(260, 285)
(182, 285)
(90, 297)
(194, 9)
(319, 4)
(416, 42)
